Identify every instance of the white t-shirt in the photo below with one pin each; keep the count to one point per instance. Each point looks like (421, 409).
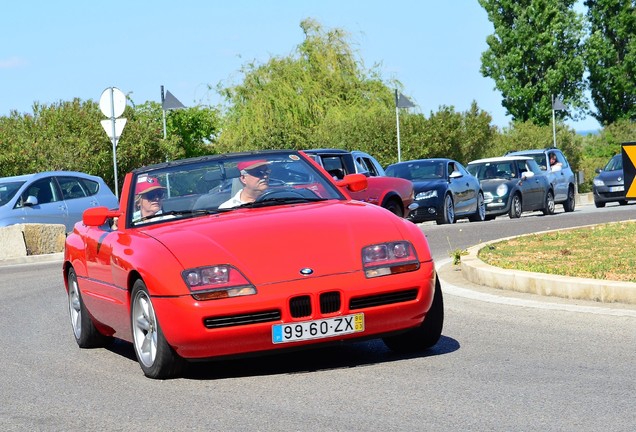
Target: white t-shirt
(235, 201)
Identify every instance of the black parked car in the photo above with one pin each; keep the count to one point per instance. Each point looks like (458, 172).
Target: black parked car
(609, 184)
(444, 190)
(512, 185)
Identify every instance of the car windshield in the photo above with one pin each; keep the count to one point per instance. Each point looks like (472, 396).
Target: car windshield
(492, 170)
(218, 184)
(615, 163)
(417, 170)
(8, 191)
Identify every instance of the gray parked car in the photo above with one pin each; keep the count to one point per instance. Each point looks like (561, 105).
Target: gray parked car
(609, 184)
(558, 170)
(54, 197)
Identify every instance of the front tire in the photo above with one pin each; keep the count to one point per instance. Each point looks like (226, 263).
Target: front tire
(426, 334)
(598, 204)
(448, 211)
(156, 358)
(84, 330)
(548, 208)
(515, 207)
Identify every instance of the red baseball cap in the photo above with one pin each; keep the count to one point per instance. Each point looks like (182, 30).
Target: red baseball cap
(147, 184)
(249, 165)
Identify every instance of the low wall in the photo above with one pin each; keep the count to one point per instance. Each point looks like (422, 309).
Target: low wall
(21, 240)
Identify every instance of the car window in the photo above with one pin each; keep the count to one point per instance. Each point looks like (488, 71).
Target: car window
(44, 190)
(370, 166)
(8, 191)
(72, 187)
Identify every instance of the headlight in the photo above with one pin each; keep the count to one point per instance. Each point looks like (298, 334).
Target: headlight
(217, 282)
(389, 258)
(598, 182)
(425, 195)
(502, 189)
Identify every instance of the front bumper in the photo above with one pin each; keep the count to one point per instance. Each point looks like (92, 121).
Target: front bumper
(242, 325)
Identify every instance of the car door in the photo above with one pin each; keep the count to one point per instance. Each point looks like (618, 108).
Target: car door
(558, 177)
(532, 190)
(49, 207)
(463, 189)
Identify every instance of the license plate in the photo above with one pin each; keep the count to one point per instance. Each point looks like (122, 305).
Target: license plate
(316, 329)
(616, 188)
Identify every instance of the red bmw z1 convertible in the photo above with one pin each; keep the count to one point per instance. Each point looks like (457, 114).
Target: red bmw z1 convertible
(232, 254)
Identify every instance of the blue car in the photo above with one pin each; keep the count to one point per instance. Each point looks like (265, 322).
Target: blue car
(54, 197)
(444, 190)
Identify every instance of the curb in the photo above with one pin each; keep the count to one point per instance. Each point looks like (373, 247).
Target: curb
(574, 288)
(33, 259)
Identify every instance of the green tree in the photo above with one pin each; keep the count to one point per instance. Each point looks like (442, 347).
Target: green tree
(284, 103)
(610, 57)
(534, 53)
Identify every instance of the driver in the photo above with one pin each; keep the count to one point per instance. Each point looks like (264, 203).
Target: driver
(255, 180)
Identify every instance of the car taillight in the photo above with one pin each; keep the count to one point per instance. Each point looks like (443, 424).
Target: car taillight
(217, 282)
(389, 258)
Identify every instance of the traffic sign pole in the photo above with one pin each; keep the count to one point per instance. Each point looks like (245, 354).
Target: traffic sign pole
(112, 103)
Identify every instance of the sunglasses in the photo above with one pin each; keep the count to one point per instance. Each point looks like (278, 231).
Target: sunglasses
(260, 173)
(154, 195)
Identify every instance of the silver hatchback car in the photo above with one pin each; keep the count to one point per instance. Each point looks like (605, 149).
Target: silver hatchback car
(54, 197)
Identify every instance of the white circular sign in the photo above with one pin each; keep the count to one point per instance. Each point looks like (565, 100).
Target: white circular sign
(112, 102)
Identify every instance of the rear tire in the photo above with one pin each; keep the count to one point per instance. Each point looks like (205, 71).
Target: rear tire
(395, 207)
(84, 330)
(570, 203)
(426, 334)
(156, 358)
(480, 214)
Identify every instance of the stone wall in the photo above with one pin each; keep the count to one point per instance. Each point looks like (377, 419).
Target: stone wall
(31, 239)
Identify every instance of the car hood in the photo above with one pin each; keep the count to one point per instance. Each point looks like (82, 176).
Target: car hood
(273, 244)
(612, 177)
(424, 185)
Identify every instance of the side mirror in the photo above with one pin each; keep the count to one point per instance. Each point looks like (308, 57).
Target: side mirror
(556, 168)
(354, 182)
(527, 175)
(456, 174)
(31, 201)
(96, 216)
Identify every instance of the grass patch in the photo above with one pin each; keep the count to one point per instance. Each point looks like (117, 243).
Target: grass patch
(606, 252)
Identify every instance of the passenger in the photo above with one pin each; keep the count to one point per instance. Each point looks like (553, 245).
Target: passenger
(255, 180)
(553, 160)
(148, 198)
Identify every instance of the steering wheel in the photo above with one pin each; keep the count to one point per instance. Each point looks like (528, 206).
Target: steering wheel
(284, 193)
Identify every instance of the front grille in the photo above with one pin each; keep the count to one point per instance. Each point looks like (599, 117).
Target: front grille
(613, 194)
(329, 302)
(243, 319)
(300, 306)
(382, 299)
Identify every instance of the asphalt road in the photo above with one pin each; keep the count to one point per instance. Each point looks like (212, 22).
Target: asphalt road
(497, 367)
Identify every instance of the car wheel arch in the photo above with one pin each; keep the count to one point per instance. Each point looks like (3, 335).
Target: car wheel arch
(393, 198)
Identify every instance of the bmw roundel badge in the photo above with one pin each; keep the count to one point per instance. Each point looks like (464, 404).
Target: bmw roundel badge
(306, 271)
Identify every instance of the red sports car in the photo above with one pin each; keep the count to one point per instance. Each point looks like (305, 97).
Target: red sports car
(225, 255)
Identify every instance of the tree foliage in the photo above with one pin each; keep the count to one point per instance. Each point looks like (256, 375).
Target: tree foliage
(286, 102)
(534, 53)
(610, 57)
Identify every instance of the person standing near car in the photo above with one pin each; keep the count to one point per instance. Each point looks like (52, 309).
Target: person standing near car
(255, 180)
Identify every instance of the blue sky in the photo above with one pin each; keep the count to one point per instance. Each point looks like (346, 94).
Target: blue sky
(59, 50)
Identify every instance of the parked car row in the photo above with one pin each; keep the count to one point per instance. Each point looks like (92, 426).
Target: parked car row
(520, 181)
